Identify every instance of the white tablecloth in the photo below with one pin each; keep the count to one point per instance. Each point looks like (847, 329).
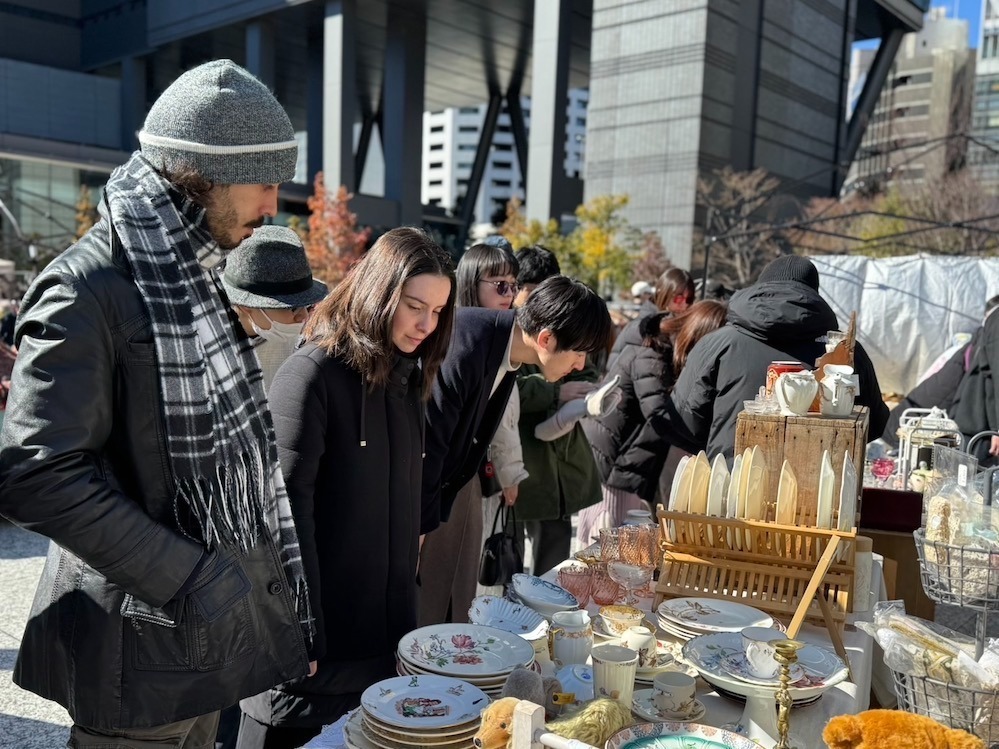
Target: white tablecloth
(806, 722)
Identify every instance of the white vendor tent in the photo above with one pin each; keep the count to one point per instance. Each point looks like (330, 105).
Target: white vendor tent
(908, 308)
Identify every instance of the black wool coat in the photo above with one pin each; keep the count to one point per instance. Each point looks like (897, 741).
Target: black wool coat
(630, 443)
(352, 461)
(463, 413)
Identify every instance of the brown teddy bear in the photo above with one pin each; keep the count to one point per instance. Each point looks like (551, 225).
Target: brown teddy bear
(893, 729)
(596, 722)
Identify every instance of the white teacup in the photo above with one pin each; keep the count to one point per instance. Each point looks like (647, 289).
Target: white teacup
(673, 694)
(759, 652)
(643, 642)
(614, 672)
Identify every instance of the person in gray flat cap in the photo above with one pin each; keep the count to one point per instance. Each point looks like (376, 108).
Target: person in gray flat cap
(140, 445)
(271, 288)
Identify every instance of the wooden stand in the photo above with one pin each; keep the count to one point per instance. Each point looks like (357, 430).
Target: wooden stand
(800, 441)
(786, 570)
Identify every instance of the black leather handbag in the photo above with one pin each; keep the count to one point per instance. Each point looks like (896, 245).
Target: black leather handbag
(501, 558)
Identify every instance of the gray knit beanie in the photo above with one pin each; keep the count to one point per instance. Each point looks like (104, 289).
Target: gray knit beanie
(225, 124)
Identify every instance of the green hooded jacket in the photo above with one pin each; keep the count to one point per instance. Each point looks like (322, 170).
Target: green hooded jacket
(562, 472)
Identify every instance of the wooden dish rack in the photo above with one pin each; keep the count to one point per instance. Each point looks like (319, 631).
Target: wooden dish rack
(794, 572)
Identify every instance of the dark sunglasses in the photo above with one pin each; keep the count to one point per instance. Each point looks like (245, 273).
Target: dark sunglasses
(503, 287)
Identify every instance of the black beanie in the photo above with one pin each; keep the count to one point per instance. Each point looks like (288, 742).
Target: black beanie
(791, 268)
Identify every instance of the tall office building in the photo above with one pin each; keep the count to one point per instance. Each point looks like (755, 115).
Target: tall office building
(450, 138)
(983, 155)
(924, 107)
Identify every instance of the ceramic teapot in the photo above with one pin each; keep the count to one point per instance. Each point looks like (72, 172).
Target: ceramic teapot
(839, 388)
(795, 392)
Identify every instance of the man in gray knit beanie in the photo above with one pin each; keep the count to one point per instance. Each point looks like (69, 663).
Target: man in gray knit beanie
(140, 442)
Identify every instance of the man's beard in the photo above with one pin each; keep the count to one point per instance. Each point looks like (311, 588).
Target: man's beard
(221, 221)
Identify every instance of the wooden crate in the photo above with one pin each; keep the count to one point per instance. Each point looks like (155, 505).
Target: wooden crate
(800, 440)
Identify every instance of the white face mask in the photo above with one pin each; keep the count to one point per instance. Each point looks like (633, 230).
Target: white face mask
(279, 332)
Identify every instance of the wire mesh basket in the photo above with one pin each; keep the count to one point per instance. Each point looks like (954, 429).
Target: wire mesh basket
(964, 576)
(971, 710)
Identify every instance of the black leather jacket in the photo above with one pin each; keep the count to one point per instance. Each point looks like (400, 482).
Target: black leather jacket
(83, 461)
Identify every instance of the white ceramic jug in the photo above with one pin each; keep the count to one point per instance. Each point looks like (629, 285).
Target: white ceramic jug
(570, 638)
(839, 388)
(795, 392)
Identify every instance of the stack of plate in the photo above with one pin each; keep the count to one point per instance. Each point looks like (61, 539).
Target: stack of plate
(719, 659)
(416, 711)
(687, 618)
(480, 656)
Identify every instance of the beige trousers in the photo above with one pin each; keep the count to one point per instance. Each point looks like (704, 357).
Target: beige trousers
(449, 562)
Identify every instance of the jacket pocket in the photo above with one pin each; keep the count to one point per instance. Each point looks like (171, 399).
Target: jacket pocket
(157, 638)
(221, 623)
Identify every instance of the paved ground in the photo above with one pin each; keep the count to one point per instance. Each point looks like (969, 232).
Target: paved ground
(26, 721)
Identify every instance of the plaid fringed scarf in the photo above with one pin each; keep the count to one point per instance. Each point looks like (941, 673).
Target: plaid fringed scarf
(219, 432)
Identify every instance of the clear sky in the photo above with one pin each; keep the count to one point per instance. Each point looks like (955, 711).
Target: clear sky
(969, 9)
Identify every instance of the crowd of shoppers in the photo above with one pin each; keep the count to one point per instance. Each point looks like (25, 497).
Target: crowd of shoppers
(255, 489)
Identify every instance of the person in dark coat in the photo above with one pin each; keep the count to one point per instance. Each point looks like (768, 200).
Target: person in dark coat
(975, 407)
(559, 324)
(630, 443)
(674, 293)
(348, 411)
(781, 317)
(137, 438)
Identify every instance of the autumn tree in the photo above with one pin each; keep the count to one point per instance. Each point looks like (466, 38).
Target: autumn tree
(739, 239)
(86, 212)
(332, 241)
(652, 261)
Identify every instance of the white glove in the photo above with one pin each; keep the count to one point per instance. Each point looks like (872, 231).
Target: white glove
(599, 402)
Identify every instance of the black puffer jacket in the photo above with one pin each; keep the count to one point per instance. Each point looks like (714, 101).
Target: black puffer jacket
(83, 461)
(773, 321)
(630, 444)
(352, 459)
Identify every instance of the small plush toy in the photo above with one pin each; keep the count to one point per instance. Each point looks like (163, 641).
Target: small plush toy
(893, 729)
(525, 684)
(596, 722)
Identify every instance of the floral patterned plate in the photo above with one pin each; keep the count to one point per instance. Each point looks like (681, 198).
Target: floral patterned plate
(822, 668)
(712, 615)
(423, 702)
(643, 705)
(465, 650)
(491, 611)
(736, 665)
(670, 735)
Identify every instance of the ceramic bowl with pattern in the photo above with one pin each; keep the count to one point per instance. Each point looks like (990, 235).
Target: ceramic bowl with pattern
(617, 619)
(492, 611)
(543, 596)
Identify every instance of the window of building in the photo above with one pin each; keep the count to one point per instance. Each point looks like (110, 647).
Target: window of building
(468, 129)
(503, 164)
(993, 120)
(466, 146)
(502, 128)
(463, 182)
(464, 164)
(581, 121)
(434, 201)
(501, 183)
(994, 85)
(437, 129)
(469, 110)
(435, 183)
(436, 165)
(436, 146)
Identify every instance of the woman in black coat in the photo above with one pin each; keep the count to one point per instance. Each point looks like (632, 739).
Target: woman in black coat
(348, 413)
(630, 444)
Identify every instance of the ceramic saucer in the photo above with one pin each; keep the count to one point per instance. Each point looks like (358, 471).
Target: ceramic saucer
(643, 706)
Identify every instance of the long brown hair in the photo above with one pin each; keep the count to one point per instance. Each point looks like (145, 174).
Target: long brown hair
(690, 326)
(355, 320)
(671, 284)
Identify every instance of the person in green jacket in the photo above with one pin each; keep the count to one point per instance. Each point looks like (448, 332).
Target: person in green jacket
(563, 477)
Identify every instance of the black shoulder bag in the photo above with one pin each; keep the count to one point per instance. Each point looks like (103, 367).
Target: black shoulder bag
(501, 557)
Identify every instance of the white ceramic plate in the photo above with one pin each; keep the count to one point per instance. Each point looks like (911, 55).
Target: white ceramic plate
(698, 502)
(717, 489)
(732, 502)
(378, 733)
(673, 735)
(824, 503)
(423, 702)
(465, 650)
(848, 495)
(544, 597)
(712, 615)
(674, 488)
(492, 611)
(787, 496)
(823, 668)
(643, 706)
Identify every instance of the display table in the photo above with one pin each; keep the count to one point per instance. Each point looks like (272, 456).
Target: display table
(806, 722)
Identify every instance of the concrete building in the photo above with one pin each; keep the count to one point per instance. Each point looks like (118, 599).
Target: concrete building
(450, 138)
(983, 152)
(925, 102)
(678, 87)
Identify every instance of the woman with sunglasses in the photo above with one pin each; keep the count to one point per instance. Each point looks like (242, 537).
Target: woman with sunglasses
(349, 416)
(486, 277)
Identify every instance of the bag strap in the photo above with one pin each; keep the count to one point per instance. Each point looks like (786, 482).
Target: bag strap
(496, 517)
(509, 518)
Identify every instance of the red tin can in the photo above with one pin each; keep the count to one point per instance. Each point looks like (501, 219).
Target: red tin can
(777, 368)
